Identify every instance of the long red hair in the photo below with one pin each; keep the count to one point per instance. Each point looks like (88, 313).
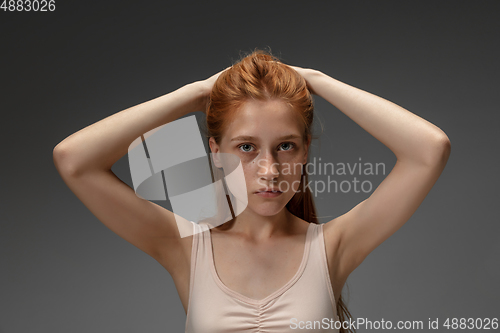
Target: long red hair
(262, 76)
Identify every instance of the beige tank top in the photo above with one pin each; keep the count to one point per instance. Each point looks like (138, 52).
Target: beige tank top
(305, 303)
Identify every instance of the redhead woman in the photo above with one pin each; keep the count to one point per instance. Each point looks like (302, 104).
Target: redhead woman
(272, 268)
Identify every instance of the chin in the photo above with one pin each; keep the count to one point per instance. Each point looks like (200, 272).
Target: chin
(267, 208)
(268, 212)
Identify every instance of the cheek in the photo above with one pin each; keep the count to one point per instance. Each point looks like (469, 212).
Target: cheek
(292, 169)
(289, 169)
(292, 162)
(291, 183)
(249, 175)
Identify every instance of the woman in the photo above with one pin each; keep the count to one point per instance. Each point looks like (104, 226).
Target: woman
(272, 268)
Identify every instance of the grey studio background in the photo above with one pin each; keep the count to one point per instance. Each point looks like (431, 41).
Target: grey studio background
(61, 270)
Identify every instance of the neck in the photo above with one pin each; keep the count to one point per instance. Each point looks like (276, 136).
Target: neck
(260, 228)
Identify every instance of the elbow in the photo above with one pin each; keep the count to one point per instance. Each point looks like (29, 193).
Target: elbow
(444, 146)
(61, 156)
(58, 155)
(440, 150)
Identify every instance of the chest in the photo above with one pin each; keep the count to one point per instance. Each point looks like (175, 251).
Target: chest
(264, 288)
(256, 270)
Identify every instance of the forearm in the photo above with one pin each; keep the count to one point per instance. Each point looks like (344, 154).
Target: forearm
(101, 144)
(407, 135)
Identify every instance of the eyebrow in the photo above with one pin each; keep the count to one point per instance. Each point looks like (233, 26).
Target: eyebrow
(252, 138)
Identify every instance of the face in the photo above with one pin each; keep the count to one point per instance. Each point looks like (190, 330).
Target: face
(267, 136)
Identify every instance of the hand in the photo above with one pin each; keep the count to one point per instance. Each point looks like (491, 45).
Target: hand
(206, 88)
(307, 74)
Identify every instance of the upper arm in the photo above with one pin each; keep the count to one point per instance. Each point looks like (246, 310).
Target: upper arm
(148, 226)
(375, 219)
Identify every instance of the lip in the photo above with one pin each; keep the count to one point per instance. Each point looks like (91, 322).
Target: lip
(269, 194)
(267, 189)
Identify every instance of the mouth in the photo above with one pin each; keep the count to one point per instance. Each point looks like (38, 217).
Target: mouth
(268, 194)
(268, 191)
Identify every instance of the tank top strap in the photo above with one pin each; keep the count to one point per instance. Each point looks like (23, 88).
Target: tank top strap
(199, 248)
(198, 264)
(318, 261)
(194, 258)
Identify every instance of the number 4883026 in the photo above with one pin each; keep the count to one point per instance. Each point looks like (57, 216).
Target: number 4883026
(28, 5)
(471, 323)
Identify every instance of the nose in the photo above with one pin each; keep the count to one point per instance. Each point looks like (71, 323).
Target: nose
(268, 167)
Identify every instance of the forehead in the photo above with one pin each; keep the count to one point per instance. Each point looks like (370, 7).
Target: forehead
(265, 120)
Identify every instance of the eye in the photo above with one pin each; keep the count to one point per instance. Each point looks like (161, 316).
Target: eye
(291, 145)
(245, 145)
(246, 148)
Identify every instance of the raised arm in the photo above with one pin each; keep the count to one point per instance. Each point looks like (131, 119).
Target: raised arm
(84, 161)
(421, 148)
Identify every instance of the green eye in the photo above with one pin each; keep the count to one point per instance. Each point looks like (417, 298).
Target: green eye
(290, 144)
(245, 145)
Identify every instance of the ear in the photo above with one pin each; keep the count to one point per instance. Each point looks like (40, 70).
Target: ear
(214, 147)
